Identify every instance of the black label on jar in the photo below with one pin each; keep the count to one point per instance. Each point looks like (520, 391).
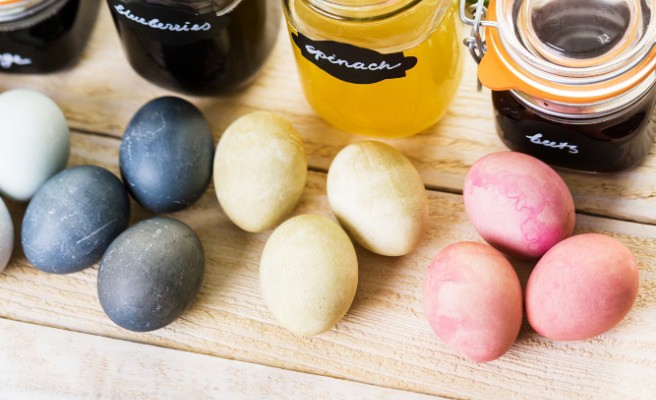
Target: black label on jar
(166, 24)
(351, 63)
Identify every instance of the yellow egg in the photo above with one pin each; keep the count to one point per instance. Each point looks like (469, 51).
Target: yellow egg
(308, 274)
(259, 170)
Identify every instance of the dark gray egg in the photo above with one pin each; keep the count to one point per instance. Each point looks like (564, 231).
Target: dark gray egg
(166, 155)
(150, 274)
(73, 218)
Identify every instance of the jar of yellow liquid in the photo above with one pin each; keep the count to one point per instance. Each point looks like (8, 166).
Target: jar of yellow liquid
(385, 68)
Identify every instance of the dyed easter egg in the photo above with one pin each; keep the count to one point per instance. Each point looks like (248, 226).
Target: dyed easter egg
(473, 300)
(6, 236)
(259, 170)
(518, 204)
(378, 197)
(34, 142)
(72, 219)
(308, 274)
(150, 274)
(581, 288)
(166, 155)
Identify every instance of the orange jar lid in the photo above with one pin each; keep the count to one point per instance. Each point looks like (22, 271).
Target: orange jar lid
(570, 51)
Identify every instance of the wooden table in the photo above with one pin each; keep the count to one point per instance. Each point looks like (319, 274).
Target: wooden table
(56, 342)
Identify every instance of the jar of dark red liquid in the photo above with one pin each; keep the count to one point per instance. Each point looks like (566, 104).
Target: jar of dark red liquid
(198, 47)
(572, 81)
(38, 36)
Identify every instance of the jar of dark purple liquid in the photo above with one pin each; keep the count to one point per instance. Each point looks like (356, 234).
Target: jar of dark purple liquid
(572, 81)
(200, 47)
(38, 36)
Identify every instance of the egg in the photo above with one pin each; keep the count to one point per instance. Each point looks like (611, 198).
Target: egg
(150, 274)
(518, 204)
(473, 300)
(166, 155)
(308, 274)
(34, 142)
(582, 287)
(259, 170)
(378, 197)
(72, 219)
(6, 236)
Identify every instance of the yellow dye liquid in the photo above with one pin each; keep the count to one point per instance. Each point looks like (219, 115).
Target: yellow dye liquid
(393, 107)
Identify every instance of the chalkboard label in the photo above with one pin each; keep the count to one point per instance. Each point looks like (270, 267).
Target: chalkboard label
(351, 63)
(166, 24)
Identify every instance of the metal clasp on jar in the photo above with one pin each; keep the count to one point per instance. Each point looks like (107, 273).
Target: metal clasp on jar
(476, 42)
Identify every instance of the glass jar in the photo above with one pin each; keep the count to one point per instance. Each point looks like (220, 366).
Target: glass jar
(572, 81)
(386, 68)
(200, 47)
(38, 36)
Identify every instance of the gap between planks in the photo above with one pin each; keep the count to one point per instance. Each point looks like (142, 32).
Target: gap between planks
(433, 188)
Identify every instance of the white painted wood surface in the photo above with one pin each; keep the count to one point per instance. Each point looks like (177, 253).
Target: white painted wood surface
(37, 362)
(384, 340)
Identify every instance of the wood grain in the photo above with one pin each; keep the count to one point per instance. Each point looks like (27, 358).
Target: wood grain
(41, 362)
(102, 93)
(384, 339)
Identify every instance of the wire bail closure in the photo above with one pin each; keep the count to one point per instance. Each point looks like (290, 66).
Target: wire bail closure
(476, 42)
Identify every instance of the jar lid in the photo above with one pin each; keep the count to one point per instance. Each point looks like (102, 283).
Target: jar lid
(573, 51)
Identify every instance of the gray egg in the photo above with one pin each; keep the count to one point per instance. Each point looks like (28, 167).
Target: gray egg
(150, 274)
(6, 236)
(166, 155)
(72, 219)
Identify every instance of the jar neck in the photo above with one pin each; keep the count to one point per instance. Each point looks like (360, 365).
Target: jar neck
(362, 25)
(361, 10)
(596, 110)
(20, 9)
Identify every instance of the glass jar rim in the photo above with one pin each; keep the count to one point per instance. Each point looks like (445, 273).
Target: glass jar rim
(508, 64)
(566, 74)
(13, 10)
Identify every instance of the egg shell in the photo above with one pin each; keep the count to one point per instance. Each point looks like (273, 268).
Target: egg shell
(518, 204)
(72, 219)
(582, 287)
(259, 170)
(378, 197)
(166, 155)
(308, 274)
(473, 300)
(34, 142)
(150, 274)
(6, 236)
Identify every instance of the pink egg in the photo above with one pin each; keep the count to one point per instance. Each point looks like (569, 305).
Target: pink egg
(581, 288)
(473, 300)
(518, 204)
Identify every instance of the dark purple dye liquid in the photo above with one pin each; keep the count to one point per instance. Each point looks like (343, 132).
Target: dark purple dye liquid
(51, 44)
(619, 142)
(209, 62)
(581, 29)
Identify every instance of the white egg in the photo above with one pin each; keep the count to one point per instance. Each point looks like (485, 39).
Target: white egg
(6, 236)
(378, 197)
(34, 142)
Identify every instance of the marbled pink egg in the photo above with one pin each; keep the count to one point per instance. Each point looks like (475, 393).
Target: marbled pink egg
(518, 204)
(473, 300)
(581, 288)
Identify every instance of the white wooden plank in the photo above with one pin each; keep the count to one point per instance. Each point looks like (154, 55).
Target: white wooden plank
(38, 362)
